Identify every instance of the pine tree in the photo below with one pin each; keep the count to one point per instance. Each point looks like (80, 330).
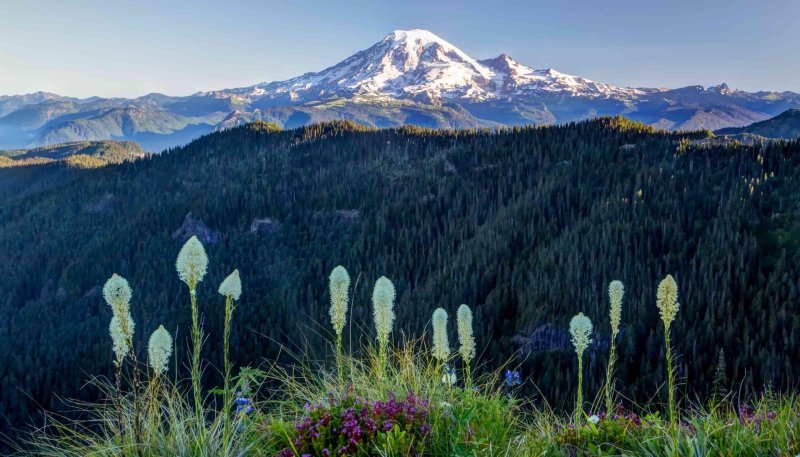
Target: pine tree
(720, 386)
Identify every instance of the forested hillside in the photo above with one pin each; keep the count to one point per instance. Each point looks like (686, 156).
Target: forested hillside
(526, 225)
(784, 125)
(28, 171)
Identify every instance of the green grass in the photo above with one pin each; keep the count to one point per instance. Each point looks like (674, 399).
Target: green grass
(400, 405)
(485, 421)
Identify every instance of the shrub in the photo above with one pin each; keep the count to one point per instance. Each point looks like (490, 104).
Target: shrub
(356, 426)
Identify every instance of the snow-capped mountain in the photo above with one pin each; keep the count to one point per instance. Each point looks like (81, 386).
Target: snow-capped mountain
(408, 77)
(419, 65)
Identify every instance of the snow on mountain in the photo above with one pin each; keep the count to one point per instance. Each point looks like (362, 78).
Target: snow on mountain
(512, 78)
(409, 77)
(418, 65)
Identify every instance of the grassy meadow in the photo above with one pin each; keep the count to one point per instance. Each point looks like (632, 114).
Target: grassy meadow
(390, 394)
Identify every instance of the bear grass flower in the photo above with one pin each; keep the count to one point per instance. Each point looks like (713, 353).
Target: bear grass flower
(383, 312)
(667, 302)
(121, 331)
(466, 339)
(159, 349)
(465, 336)
(383, 296)
(117, 293)
(231, 289)
(441, 345)
(580, 327)
(339, 287)
(616, 290)
(667, 299)
(231, 286)
(192, 262)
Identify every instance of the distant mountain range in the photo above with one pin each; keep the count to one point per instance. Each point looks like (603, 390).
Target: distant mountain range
(409, 77)
(785, 125)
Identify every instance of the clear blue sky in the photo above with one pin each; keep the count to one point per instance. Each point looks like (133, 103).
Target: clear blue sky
(130, 48)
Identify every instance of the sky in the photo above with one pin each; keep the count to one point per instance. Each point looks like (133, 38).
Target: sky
(130, 48)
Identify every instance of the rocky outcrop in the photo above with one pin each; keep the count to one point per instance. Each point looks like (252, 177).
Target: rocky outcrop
(195, 227)
(550, 338)
(103, 205)
(544, 338)
(348, 215)
(52, 290)
(94, 291)
(264, 226)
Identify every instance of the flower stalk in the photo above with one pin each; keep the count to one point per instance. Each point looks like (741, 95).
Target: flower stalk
(616, 290)
(466, 340)
(580, 327)
(339, 285)
(383, 296)
(441, 345)
(231, 289)
(668, 306)
(191, 265)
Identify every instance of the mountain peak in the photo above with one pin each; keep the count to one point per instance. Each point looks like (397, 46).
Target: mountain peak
(422, 35)
(720, 89)
(418, 65)
(423, 46)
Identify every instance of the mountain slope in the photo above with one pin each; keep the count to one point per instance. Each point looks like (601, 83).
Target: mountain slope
(784, 125)
(523, 224)
(418, 65)
(107, 151)
(25, 172)
(409, 77)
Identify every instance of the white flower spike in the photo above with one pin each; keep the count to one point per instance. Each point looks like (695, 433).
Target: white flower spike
(667, 299)
(121, 335)
(231, 286)
(580, 327)
(117, 293)
(192, 262)
(465, 336)
(383, 308)
(441, 345)
(339, 288)
(159, 349)
(616, 290)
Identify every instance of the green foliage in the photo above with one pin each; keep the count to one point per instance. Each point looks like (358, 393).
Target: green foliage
(519, 223)
(394, 443)
(365, 418)
(30, 171)
(104, 151)
(719, 388)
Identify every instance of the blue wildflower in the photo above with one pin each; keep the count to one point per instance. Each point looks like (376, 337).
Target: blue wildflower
(513, 378)
(243, 406)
